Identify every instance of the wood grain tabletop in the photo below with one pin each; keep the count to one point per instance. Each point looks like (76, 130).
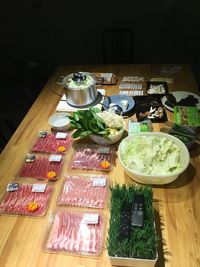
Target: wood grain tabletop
(176, 204)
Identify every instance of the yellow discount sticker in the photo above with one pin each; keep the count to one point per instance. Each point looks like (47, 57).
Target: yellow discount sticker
(51, 175)
(105, 164)
(32, 206)
(61, 148)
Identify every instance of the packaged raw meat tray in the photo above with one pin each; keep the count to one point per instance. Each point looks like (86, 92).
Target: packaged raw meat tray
(26, 199)
(92, 157)
(52, 143)
(41, 166)
(84, 191)
(75, 232)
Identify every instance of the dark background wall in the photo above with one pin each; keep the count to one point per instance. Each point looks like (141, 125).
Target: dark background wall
(51, 33)
(38, 35)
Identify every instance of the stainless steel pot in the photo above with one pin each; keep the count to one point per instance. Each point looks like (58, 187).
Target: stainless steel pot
(80, 89)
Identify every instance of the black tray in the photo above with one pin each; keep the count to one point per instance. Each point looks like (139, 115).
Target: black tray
(144, 104)
(161, 94)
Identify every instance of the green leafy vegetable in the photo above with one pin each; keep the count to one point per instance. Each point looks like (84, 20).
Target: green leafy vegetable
(87, 122)
(93, 121)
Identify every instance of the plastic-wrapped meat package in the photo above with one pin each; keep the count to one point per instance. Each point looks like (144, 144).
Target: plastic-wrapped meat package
(51, 144)
(92, 157)
(25, 202)
(84, 191)
(42, 167)
(75, 232)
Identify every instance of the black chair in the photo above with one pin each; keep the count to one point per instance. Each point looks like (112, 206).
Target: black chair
(118, 46)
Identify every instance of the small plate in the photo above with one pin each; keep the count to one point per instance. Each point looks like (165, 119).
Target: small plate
(117, 99)
(180, 95)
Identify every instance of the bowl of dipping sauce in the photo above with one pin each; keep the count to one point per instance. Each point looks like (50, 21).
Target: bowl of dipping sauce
(59, 121)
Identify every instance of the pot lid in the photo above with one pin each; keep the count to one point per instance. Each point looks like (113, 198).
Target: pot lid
(79, 80)
(78, 77)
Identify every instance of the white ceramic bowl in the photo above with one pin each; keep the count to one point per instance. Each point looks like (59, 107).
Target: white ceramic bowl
(102, 141)
(59, 121)
(156, 179)
(112, 138)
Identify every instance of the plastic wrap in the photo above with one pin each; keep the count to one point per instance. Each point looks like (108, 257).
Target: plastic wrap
(41, 166)
(75, 232)
(23, 201)
(52, 143)
(92, 157)
(189, 116)
(132, 86)
(84, 191)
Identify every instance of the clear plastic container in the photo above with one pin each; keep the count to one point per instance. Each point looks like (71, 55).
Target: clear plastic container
(81, 190)
(24, 201)
(75, 232)
(41, 166)
(92, 157)
(132, 86)
(52, 143)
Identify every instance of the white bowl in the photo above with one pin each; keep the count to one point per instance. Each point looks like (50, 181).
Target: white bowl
(103, 141)
(112, 138)
(156, 179)
(59, 121)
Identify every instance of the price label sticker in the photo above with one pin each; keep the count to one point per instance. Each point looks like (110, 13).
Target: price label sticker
(103, 150)
(91, 218)
(39, 188)
(99, 182)
(12, 187)
(30, 157)
(60, 135)
(55, 158)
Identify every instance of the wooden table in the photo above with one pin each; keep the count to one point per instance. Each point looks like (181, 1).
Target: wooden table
(177, 204)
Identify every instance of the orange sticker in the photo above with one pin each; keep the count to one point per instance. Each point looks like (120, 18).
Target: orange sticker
(61, 148)
(51, 175)
(32, 206)
(105, 164)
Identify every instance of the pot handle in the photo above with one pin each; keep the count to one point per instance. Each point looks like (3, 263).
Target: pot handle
(59, 80)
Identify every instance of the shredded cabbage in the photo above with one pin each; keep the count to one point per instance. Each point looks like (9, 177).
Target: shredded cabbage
(151, 155)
